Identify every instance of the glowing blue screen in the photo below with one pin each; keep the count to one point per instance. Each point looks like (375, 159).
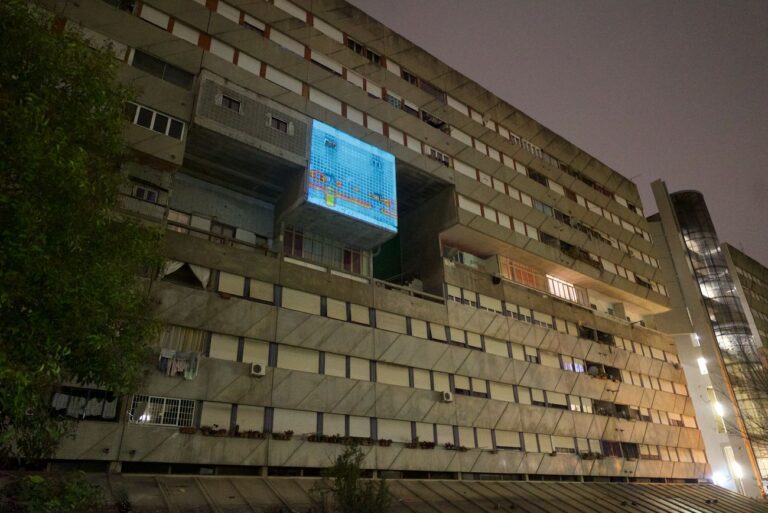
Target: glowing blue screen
(351, 177)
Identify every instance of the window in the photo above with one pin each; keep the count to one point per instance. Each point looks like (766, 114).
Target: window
(162, 69)
(162, 411)
(153, 120)
(232, 104)
(226, 232)
(432, 90)
(373, 57)
(439, 156)
(393, 100)
(537, 177)
(355, 46)
(145, 193)
(630, 450)
(436, 122)
(362, 50)
(610, 448)
(278, 124)
(123, 5)
(409, 77)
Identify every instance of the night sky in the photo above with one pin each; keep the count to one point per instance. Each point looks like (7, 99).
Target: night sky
(654, 89)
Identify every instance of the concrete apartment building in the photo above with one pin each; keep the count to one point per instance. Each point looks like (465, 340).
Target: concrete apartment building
(718, 335)
(486, 302)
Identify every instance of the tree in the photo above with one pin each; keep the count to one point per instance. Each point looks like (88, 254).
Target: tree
(71, 306)
(352, 494)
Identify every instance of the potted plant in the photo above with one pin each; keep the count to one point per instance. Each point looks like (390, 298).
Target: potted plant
(285, 435)
(427, 445)
(188, 430)
(384, 442)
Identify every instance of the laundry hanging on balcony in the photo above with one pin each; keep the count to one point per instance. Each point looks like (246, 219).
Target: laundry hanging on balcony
(179, 363)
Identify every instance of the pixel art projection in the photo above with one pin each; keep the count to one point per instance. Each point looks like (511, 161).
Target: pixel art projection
(351, 177)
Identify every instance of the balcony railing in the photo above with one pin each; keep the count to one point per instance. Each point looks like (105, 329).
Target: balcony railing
(408, 291)
(218, 238)
(532, 278)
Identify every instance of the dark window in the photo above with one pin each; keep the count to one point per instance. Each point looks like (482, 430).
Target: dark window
(611, 448)
(642, 282)
(230, 103)
(409, 110)
(253, 27)
(130, 111)
(604, 408)
(586, 332)
(184, 276)
(123, 5)
(630, 450)
(432, 90)
(356, 47)
(373, 57)
(549, 240)
(605, 338)
(563, 218)
(537, 177)
(409, 77)
(532, 358)
(435, 122)
(160, 124)
(148, 63)
(145, 117)
(613, 373)
(176, 130)
(279, 124)
(162, 69)
(145, 193)
(178, 76)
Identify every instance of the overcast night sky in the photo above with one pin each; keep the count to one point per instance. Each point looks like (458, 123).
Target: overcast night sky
(676, 90)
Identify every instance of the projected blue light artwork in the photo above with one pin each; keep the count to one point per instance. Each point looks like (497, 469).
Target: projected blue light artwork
(351, 177)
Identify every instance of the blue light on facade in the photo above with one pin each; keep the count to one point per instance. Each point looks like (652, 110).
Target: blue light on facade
(351, 177)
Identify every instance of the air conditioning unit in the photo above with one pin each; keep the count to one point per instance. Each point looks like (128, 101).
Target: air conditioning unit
(447, 397)
(258, 369)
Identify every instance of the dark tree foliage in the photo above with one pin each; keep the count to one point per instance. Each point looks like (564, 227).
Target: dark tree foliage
(71, 306)
(55, 494)
(352, 494)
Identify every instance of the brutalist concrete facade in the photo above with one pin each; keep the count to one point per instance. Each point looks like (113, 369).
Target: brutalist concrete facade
(508, 331)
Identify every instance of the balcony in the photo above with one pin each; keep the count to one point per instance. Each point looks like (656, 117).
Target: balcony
(532, 278)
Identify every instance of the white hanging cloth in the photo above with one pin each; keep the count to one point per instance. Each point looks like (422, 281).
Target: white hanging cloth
(202, 273)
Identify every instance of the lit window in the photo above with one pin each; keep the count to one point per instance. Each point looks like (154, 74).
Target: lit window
(162, 411)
